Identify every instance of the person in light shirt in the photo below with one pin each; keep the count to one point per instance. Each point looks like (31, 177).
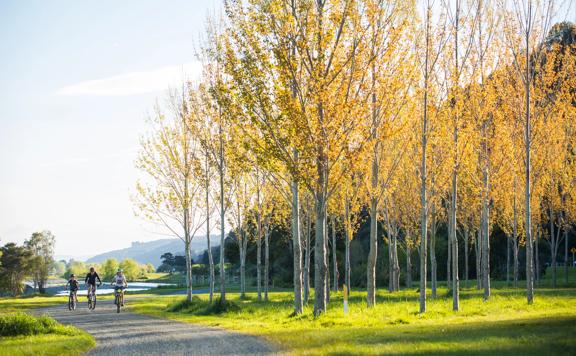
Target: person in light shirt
(119, 282)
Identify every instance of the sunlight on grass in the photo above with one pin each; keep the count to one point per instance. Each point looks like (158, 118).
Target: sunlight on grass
(76, 343)
(47, 344)
(504, 324)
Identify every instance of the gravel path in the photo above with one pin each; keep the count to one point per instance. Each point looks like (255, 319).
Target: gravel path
(134, 334)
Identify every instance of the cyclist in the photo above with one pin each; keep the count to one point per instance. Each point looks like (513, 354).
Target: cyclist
(74, 286)
(90, 281)
(119, 282)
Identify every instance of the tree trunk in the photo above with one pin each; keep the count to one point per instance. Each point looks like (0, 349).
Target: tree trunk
(454, 196)
(347, 253)
(537, 257)
(208, 244)
(485, 252)
(327, 245)
(391, 271)
(222, 222)
(449, 261)
(188, 268)
(334, 260)
(466, 237)
(210, 260)
(433, 262)
(396, 263)
(423, 197)
(516, 264)
(515, 239)
(423, 274)
(455, 278)
(408, 267)
(553, 247)
(528, 210)
(259, 244)
(508, 242)
(242, 276)
(478, 255)
(266, 260)
(320, 257)
(307, 259)
(373, 252)
(243, 248)
(566, 255)
(298, 302)
(390, 263)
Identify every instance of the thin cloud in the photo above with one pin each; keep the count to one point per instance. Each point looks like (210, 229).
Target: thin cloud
(136, 82)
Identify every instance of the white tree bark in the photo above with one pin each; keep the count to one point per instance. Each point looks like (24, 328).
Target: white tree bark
(433, 262)
(307, 256)
(266, 258)
(466, 241)
(298, 302)
(222, 218)
(478, 255)
(320, 258)
(334, 258)
(259, 242)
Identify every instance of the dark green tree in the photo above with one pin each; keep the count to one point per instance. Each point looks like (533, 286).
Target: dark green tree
(15, 264)
(41, 244)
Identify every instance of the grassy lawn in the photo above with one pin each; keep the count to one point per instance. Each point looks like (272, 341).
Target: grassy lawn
(503, 325)
(161, 277)
(47, 344)
(68, 341)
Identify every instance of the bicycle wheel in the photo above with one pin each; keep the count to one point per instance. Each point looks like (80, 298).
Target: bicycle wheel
(94, 301)
(70, 302)
(118, 302)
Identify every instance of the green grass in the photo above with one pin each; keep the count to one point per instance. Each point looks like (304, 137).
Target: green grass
(503, 325)
(59, 340)
(546, 278)
(161, 277)
(29, 302)
(46, 344)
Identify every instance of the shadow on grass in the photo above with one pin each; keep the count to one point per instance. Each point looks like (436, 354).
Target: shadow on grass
(199, 306)
(536, 336)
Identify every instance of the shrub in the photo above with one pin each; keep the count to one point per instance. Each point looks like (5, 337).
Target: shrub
(200, 307)
(15, 324)
(219, 307)
(185, 306)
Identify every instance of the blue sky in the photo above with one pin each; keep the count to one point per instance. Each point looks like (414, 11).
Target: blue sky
(76, 81)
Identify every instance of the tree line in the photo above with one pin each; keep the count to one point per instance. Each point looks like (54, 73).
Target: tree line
(33, 259)
(310, 113)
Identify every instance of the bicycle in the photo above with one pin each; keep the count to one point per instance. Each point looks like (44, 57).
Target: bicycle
(72, 300)
(118, 296)
(92, 297)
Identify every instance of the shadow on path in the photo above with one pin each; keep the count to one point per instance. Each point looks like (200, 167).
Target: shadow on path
(134, 334)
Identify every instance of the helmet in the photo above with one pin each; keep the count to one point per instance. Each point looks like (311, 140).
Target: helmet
(91, 269)
(119, 270)
(72, 275)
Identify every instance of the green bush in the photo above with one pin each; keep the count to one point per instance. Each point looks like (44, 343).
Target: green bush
(200, 307)
(186, 306)
(16, 324)
(219, 307)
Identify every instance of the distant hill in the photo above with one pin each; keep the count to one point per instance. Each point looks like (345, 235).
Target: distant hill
(150, 252)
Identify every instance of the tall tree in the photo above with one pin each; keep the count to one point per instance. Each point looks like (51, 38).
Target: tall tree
(525, 31)
(15, 263)
(388, 86)
(42, 246)
(170, 193)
